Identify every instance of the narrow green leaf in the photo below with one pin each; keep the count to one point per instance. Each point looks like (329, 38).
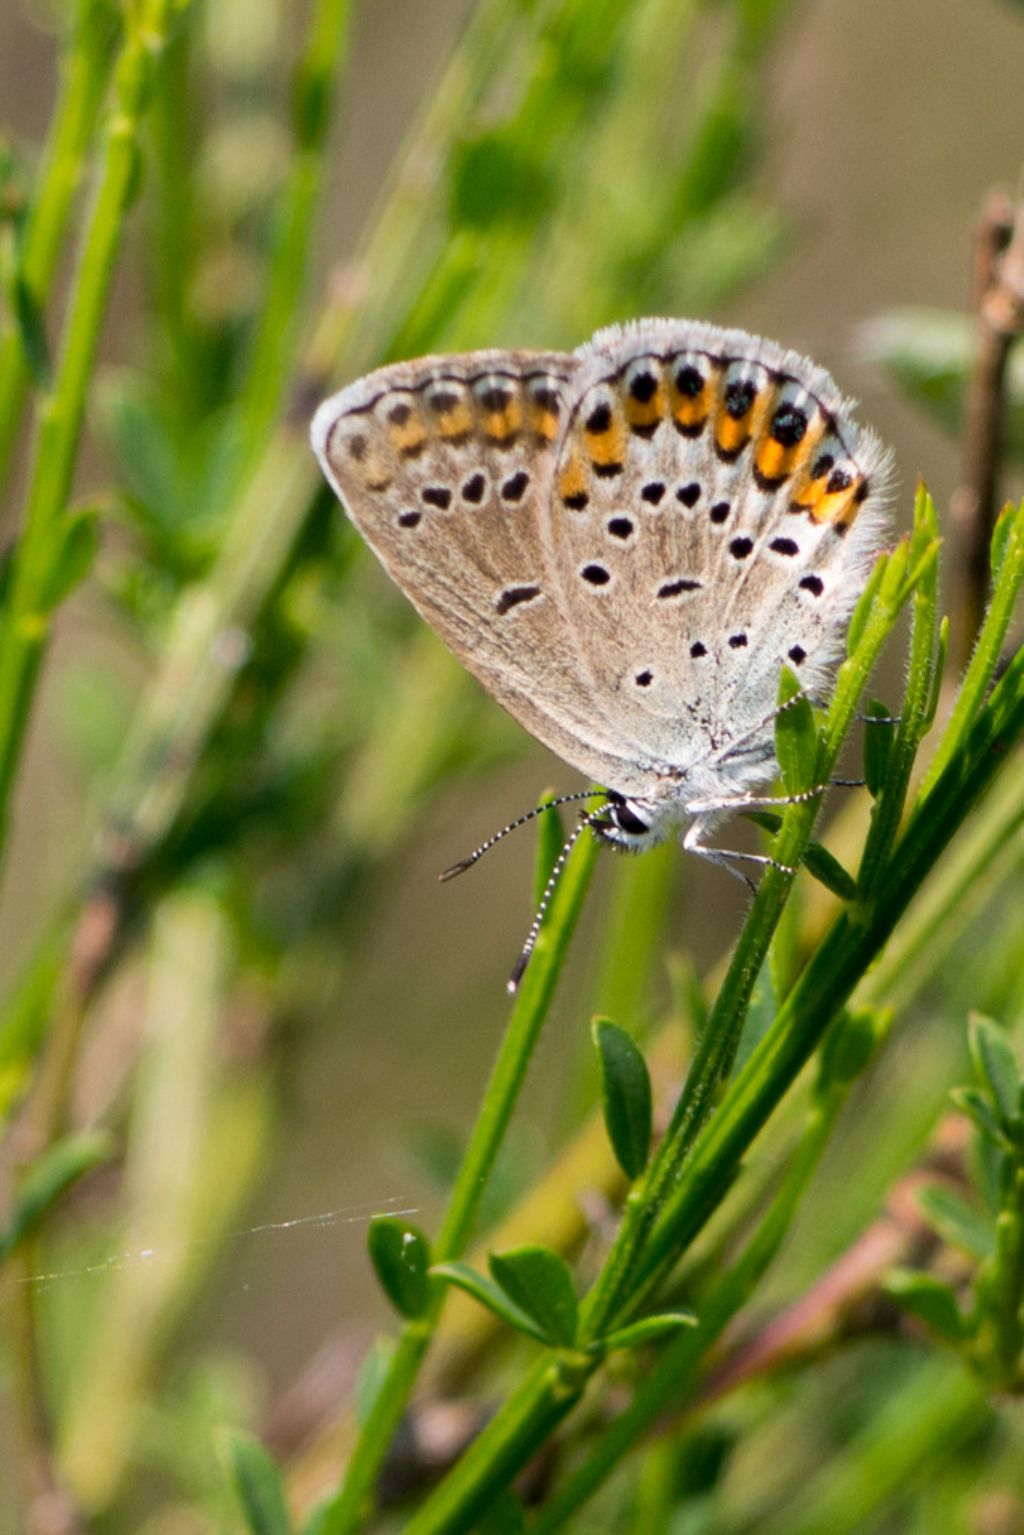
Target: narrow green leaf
(984, 662)
(829, 872)
(957, 1222)
(48, 1178)
(505, 1515)
(996, 1064)
(372, 1376)
(400, 1253)
(625, 1094)
(259, 1486)
(490, 1295)
(550, 838)
(647, 1330)
(538, 1281)
(818, 861)
(939, 672)
(1001, 539)
(73, 560)
(796, 739)
(979, 1108)
(865, 603)
(930, 1301)
(770, 820)
(31, 333)
(878, 741)
(849, 1046)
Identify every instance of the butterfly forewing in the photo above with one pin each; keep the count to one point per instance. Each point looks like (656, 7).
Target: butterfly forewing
(445, 467)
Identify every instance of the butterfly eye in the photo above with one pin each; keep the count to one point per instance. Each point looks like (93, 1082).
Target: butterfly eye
(628, 821)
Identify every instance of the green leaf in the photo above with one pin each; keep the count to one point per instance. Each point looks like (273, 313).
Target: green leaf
(849, 1046)
(938, 673)
(818, 861)
(73, 558)
(625, 1094)
(957, 1222)
(48, 1178)
(259, 1486)
(647, 1330)
(930, 353)
(862, 612)
(829, 872)
(930, 1301)
(996, 1065)
(796, 739)
(31, 333)
(878, 741)
(504, 1515)
(538, 1281)
(979, 1108)
(719, 157)
(1004, 526)
(489, 1295)
(496, 179)
(400, 1253)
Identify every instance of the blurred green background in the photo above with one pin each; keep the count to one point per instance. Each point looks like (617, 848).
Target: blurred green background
(352, 1007)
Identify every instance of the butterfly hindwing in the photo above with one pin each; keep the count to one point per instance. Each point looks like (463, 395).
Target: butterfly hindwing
(710, 522)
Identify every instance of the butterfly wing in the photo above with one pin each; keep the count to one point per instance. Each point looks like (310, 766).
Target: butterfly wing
(714, 512)
(445, 466)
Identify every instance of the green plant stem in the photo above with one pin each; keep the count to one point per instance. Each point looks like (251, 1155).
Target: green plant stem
(316, 75)
(520, 1427)
(173, 239)
(888, 807)
(919, 1425)
(25, 627)
(985, 856)
(675, 1372)
(1008, 1284)
(716, 1050)
(985, 657)
(822, 991)
(352, 1504)
(84, 69)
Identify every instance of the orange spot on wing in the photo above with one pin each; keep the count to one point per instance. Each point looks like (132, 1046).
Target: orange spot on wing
(731, 433)
(502, 425)
(543, 422)
(841, 507)
(774, 461)
(691, 411)
(408, 437)
(573, 480)
(807, 492)
(643, 413)
(607, 447)
(455, 423)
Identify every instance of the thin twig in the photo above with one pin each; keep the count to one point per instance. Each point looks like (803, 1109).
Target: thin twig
(848, 1299)
(998, 297)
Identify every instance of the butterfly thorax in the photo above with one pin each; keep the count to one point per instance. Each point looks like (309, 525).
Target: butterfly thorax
(686, 796)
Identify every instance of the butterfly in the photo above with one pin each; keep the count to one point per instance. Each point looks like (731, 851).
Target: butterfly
(625, 545)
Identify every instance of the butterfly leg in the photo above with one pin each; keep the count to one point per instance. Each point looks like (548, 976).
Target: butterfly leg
(724, 856)
(741, 802)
